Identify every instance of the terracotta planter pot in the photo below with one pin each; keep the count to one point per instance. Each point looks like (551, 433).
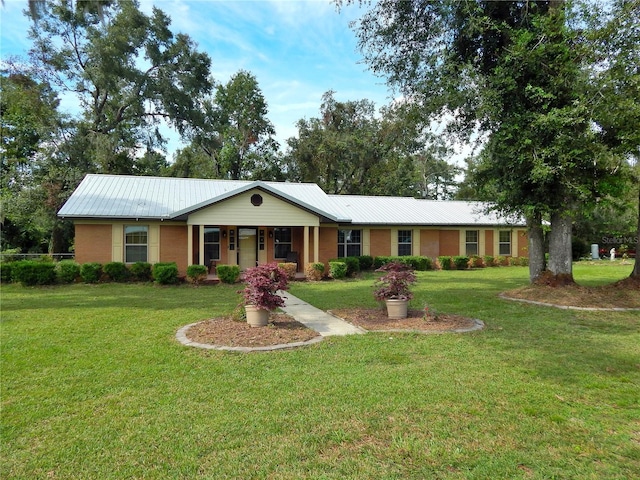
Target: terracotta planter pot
(397, 308)
(256, 317)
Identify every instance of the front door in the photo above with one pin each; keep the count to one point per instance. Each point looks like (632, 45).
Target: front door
(247, 248)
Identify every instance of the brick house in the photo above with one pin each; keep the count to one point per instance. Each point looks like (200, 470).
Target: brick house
(196, 221)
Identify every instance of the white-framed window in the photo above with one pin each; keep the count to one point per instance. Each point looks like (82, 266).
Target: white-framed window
(211, 244)
(504, 243)
(283, 242)
(349, 243)
(136, 243)
(404, 242)
(471, 242)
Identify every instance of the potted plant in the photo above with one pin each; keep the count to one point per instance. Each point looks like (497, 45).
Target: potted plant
(260, 297)
(394, 287)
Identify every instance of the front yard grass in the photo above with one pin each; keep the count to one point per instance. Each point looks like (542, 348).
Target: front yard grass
(95, 386)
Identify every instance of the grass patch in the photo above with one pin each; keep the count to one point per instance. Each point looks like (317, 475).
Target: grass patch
(95, 386)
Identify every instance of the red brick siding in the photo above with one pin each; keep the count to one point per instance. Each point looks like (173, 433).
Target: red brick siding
(173, 246)
(449, 242)
(429, 243)
(93, 243)
(380, 242)
(488, 242)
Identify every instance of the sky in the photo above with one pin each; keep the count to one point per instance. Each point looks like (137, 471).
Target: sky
(297, 50)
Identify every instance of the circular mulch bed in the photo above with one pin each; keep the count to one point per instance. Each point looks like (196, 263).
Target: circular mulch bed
(376, 319)
(282, 329)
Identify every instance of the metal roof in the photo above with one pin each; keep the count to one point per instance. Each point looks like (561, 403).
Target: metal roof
(379, 210)
(123, 196)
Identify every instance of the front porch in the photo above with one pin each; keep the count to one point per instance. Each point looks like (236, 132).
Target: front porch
(248, 246)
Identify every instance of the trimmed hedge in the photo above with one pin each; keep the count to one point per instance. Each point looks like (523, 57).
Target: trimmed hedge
(5, 272)
(352, 263)
(446, 262)
(314, 271)
(141, 271)
(165, 273)
(337, 270)
(91, 272)
(417, 262)
(461, 262)
(116, 271)
(366, 262)
(228, 273)
(67, 271)
(196, 273)
(33, 272)
(290, 268)
(489, 261)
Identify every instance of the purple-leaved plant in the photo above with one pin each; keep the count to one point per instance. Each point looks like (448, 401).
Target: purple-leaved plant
(262, 283)
(396, 282)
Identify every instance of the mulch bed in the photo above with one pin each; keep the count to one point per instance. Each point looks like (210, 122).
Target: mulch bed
(233, 333)
(376, 319)
(622, 294)
(283, 329)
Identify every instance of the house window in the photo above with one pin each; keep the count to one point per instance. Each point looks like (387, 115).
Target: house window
(282, 239)
(504, 245)
(349, 242)
(136, 241)
(472, 242)
(404, 242)
(211, 244)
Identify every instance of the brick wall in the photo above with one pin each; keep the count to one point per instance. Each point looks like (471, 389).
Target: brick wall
(93, 243)
(380, 242)
(430, 243)
(173, 246)
(449, 242)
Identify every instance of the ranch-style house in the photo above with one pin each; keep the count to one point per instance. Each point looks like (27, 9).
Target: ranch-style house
(208, 222)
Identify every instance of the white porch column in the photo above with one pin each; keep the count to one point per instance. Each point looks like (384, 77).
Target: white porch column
(189, 244)
(316, 244)
(306, 247)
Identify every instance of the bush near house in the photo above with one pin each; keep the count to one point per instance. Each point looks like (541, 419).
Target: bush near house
(228, 273)
(67, 271)
(489, 261)
(337, 270)
(196, 274)
(461, 262)
(5, 272)
(141, 271)
(91, 272)
(290, 268)
(352, 263)
(417, 262)
(165, 273)
(33, 272)
(315, 271)
(446, 262)
(366, 262)
(116, 271)
(476, 261)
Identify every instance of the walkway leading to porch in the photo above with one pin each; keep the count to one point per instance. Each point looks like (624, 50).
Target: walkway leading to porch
(316, 319)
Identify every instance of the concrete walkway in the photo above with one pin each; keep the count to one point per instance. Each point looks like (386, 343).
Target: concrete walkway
(316, 319)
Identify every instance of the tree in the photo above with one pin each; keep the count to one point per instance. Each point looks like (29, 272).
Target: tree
(341, 150)
(129, 72)
(29, 124)
(616, 86)
(514, 70)
(241, 135)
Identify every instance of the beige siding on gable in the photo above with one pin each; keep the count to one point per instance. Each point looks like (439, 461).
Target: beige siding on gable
(239, 211)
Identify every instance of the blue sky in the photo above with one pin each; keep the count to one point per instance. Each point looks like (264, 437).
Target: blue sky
(296, 49)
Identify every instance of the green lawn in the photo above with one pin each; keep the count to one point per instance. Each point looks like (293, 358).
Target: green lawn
(95, 386)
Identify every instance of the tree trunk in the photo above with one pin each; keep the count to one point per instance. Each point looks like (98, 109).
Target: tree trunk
(560, 251)
(535, 239)
(636, 269)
